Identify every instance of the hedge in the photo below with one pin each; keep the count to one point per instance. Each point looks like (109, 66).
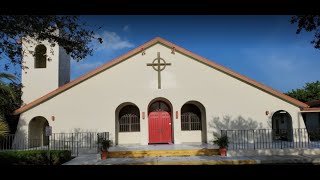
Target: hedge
(34, 157)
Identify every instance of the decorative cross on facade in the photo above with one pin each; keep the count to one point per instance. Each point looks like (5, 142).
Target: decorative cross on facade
(159, 66)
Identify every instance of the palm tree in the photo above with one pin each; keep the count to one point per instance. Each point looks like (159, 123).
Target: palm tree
(4, 128)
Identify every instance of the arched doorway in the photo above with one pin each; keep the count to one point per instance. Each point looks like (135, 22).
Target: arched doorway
(193, 119)
(127, 121)
(160, 123)
(282, 126)
(37, 129)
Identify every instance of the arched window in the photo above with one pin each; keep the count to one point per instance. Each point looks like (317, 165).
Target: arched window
(159, 106)
(129, 119)
(282, 125)
(190, 117)
(40, 56)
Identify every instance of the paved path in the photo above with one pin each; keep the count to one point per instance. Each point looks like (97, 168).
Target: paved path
(93, 159)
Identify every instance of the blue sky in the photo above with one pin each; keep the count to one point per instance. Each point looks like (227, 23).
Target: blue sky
(264, 48)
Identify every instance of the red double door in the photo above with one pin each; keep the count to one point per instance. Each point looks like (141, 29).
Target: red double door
(160, 130)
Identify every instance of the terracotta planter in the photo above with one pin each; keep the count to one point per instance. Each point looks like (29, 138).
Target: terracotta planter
(223, 151)
(104, 155)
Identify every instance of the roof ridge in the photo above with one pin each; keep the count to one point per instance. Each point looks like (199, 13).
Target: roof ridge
(177, 49)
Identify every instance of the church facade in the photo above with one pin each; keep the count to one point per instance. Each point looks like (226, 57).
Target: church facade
(156, 93)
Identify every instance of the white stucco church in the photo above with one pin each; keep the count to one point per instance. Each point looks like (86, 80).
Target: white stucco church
(156, 93)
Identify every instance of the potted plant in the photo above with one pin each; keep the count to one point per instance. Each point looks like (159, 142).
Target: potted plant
(222, 142)
(105, 144)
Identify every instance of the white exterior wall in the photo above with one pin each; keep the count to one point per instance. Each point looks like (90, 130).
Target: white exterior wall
(130, 138)
(38, 82)
(91, 104)
(190, 136)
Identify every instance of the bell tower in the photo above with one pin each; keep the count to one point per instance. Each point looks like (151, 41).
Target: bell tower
(47, 68)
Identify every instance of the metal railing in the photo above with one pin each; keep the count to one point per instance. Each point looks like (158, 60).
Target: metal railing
(58, 141)
(85, 139)
(8, 143)
(273, 139)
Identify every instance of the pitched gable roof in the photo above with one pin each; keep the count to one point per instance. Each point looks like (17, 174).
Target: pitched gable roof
(177, 49)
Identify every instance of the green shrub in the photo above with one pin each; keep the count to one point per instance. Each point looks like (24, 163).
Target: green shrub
(60, 156)
(34, 157)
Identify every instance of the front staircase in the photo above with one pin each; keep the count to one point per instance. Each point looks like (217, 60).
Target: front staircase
(163, 153)
(162, 150)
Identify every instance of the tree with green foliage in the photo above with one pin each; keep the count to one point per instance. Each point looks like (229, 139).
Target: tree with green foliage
(74, 36)
(6, 91)
(10, 100)
(310, 92)
(7, 95)
(309, 23)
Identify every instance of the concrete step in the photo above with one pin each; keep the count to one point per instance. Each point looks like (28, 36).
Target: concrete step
(163, 153)
(191, 160)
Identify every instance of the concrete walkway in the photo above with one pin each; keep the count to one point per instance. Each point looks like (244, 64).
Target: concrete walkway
(93, 159)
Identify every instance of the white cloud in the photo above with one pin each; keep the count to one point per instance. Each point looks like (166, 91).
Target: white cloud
(126, 28)
(283, 68)
(112, 41)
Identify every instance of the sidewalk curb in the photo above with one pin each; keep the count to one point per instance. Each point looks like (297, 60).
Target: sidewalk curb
(294, 161)
(248, 160)
(212, 162)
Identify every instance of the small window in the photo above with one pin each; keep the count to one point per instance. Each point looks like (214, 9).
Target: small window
(129, 119)
(40, 56)
(190, 118)
(190, 121)
(129, 123)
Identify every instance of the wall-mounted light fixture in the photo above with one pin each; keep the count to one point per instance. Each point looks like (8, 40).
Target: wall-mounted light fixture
(173, 50)
(53, 118)
(143, 115)
(177, 114)
(267, 112)
(143, 51)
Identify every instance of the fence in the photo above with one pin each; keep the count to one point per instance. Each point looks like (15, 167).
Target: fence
(273, 139)
(58, 141)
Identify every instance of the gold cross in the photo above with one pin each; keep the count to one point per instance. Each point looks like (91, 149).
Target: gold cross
(157, 67)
